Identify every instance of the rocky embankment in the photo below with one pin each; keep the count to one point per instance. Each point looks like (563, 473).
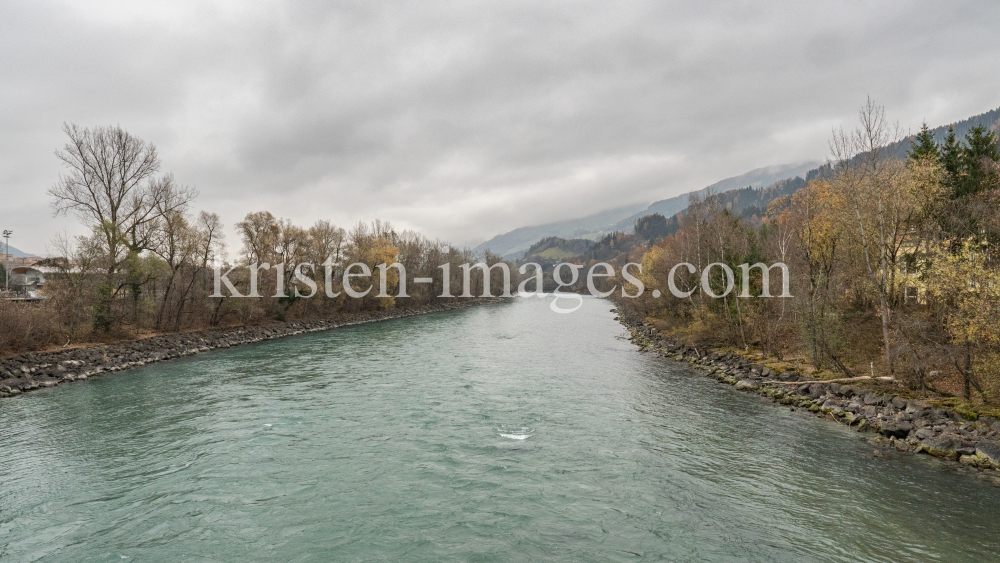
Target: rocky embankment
(28, 372)
(895, 422)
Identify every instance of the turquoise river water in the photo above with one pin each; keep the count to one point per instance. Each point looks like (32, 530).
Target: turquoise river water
(497, 433)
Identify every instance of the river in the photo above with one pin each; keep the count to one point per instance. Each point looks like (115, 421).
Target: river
(496, 433)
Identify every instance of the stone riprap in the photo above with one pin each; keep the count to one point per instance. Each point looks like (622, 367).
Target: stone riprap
(28, 372)
(897, 423)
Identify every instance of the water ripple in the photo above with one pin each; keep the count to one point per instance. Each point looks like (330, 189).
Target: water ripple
(503, 433)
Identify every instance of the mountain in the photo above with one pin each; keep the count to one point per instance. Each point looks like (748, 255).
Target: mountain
(748, 202)
(14, 252)
(990, 119)
(747, 194)
(556, 249)
(757, 178)
(513, 244)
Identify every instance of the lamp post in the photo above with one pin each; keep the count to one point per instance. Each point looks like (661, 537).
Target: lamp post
(6, 261)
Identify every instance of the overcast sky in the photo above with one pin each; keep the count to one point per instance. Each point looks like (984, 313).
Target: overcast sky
(464, 120)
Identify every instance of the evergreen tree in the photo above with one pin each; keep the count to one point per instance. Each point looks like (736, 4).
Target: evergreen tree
(924, 145)
(980, 152)
(951, 160)
(652, 227)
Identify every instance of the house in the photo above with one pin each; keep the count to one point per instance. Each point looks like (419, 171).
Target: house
(27, 277)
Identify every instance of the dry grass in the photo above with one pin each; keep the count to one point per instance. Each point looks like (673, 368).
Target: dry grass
(27, 326)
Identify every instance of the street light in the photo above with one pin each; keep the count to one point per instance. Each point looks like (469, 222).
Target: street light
(6, 260)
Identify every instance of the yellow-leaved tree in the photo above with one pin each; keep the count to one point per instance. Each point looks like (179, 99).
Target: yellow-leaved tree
(810, 219)
(970, 290)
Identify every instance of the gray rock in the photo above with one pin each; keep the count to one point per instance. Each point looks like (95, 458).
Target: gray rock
(924, 433)
(872, 399)
(942, 446)
(989, 451)
(898, 430)
(746, 384)
(965, 449)
(899, 402)
(969, 460)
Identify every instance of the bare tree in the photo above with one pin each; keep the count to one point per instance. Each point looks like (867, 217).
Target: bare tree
(207, 245)
(112, 187)
(877, 204)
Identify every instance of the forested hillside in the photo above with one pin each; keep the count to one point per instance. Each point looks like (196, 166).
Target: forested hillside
(893, 263)
(512, 245)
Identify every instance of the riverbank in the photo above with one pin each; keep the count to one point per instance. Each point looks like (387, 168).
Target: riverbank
(863, 404)
(28, 372)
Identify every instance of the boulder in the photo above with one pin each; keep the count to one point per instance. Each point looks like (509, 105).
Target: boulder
(899, 403)
(989, 451)
(970, 460)
(947, 444)
(746, 384)
(898, 430)
(941, 446)
(831, 404)
(966, 448)
(872, 399)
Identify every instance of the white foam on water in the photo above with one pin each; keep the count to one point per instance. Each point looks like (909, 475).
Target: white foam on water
(517, 436)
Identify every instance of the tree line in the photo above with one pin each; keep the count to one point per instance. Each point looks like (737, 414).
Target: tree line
(148, 263)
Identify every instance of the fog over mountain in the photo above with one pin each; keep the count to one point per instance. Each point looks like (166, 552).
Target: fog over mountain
(466, 120)
(623, 219)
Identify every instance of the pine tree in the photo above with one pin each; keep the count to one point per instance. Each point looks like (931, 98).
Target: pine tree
(951, 160)
(923, 145)
(981, 150)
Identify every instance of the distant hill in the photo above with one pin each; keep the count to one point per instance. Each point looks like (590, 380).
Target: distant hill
(748, 195)
(748, 202)
(556, 249)
(14, 251)
(512, 245)
(744, 195)
(757, 178)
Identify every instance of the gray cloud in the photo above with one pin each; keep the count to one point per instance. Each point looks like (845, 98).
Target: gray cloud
(464, 120)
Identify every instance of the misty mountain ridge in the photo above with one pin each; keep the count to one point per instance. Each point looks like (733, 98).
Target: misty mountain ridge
(745, 195)
(14, 252)
(513, 244)
(749, 202)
